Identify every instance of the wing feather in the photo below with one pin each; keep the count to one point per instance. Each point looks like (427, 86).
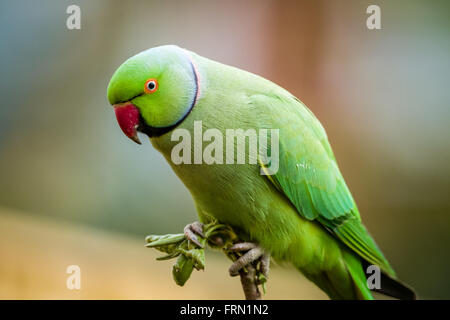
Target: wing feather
(310, 178)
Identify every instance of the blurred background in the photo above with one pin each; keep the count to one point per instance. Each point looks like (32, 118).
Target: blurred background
(75, 190)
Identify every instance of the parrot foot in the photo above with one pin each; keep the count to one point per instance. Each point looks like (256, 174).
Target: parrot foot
(192, 230)
(253, 253)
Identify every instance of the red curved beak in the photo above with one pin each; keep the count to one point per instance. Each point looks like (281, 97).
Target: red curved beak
(128, 118)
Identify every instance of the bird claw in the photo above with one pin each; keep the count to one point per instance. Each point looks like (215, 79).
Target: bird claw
(192, 230)
(254, 254)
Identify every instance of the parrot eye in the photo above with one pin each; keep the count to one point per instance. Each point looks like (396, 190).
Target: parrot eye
(151, 85)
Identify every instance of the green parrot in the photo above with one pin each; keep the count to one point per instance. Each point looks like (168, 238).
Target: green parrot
(302, 212)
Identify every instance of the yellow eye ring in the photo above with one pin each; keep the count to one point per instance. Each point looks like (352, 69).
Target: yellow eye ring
(151, 85)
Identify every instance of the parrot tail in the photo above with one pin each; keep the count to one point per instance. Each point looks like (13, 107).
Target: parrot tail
(389, 286)
(349, 281)
(345, 280)
(394, 288)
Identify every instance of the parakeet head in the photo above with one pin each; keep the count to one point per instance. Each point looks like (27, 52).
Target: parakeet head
(154, 91)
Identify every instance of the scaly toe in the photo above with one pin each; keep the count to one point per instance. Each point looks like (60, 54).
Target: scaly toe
(191, 230)
(242, 246)
(248, 258)
(197, 227)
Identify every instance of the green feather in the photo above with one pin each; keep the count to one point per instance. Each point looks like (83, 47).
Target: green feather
(309, 176)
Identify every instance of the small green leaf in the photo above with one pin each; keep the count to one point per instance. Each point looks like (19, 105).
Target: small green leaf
(197, 256)
(169, 256)
(182, 270)
(262, 280)
(156, 241)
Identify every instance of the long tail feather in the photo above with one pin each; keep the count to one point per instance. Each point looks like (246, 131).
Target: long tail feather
(394, 288)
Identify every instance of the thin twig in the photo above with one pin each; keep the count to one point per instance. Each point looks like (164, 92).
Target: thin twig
(249, 284)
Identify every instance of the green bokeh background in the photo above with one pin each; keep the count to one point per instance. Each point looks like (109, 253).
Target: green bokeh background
(382, 95)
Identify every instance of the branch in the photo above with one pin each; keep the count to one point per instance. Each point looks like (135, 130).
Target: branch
(249, 283)
(189, 256)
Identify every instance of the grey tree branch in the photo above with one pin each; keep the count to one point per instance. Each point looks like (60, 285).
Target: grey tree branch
(249, 283)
